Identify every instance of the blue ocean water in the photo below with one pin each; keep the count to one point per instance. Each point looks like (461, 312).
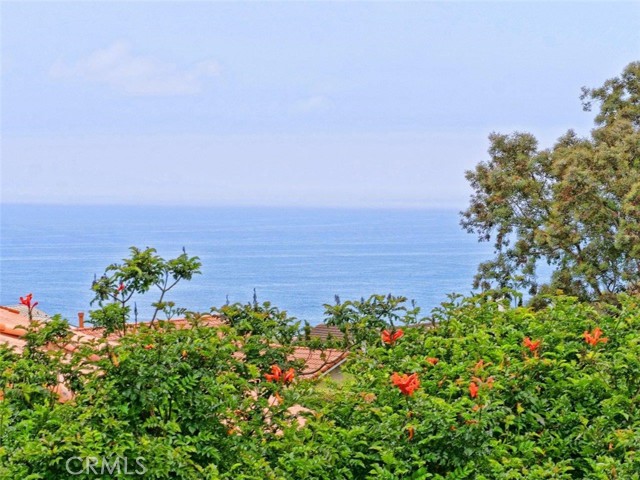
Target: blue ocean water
(296, 258)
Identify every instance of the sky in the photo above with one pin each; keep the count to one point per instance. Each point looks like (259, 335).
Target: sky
(334, 104)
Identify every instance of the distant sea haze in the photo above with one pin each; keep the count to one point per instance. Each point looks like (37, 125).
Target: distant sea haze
(298, 259)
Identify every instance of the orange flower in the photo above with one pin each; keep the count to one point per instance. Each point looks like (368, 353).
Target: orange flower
(411, 432)
(390, 337)
(473, 390)
(432, 360)
(593, 338)
(479, 365)
(406, 383)
(184, 354)
(288, 376)
(276, 375)
(149, 347)
(532, 345)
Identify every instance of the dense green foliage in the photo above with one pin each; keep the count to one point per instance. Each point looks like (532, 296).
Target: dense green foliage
(194, 403)
(575, 206)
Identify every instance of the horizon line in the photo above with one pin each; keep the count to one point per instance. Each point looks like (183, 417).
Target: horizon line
(234, 206)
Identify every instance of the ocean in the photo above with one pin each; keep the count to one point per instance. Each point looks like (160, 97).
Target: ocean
(296, 258)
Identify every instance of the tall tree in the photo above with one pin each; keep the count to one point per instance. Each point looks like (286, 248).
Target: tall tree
(575, 206)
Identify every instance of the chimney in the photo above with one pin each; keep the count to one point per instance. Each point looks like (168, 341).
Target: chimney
(80, 319)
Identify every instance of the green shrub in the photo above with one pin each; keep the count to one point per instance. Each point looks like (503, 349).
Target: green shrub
(488, 406)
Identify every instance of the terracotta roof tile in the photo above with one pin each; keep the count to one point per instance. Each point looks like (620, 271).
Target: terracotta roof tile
(323, 331)
(11, 318)
(13, 323)
(16, 344)
(207, 321)
(23, 310)
(318, 362)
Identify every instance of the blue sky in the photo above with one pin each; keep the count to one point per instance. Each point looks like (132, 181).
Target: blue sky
(319, 104)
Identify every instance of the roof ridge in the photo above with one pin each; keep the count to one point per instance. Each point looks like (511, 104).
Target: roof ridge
(9, 309)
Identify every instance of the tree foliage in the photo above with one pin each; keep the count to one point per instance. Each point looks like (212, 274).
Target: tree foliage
(575, 206)
(137, 274)
(361, 321)
(495, 393)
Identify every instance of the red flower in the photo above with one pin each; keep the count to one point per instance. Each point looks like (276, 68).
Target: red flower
(532, 345)
(473, 389)
(432, 360)
(26, 301)
(121, 287)
(276, 375)
(593, 338)
(406, 383)
(149, 347)
(390, 338)
(288, 376)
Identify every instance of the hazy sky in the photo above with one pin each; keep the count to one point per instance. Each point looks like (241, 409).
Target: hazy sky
(323, 104)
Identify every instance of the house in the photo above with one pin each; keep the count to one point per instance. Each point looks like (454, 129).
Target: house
(317, 362)
(14, 321)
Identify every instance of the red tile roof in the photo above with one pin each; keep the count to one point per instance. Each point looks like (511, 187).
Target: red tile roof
(12, 328)
(13, 325)
(36, 313)
(179, 323)
(323, 331)
(318, 362)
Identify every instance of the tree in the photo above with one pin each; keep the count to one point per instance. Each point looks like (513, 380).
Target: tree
(136, 275)
(575, 206)
(361, 322)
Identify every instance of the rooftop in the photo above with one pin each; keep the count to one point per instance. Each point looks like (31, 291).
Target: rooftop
(324, 331)
(13, 323)
(23, 310)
